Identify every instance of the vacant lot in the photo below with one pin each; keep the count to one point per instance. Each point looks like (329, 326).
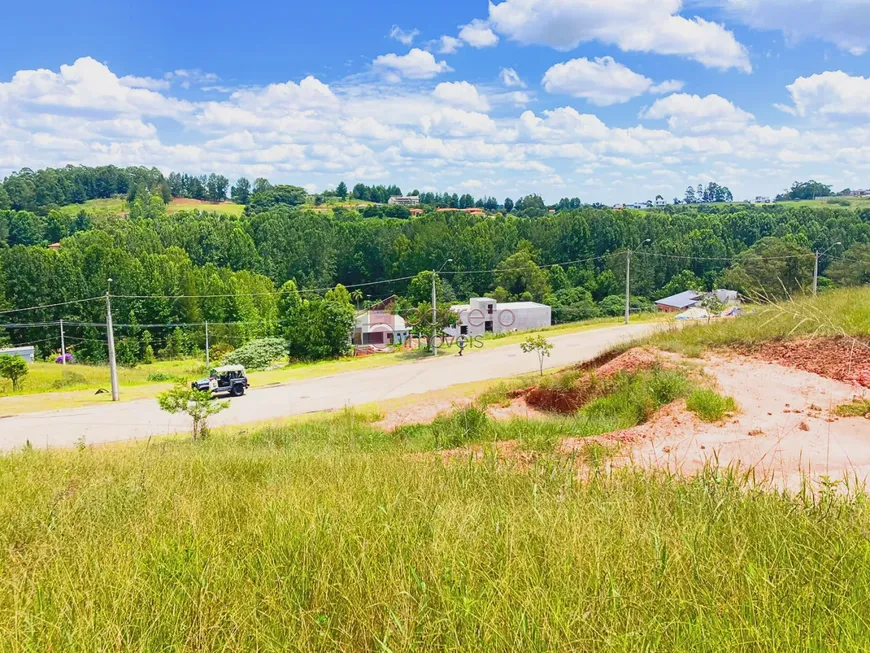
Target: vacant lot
(332, 536)
(115, 206)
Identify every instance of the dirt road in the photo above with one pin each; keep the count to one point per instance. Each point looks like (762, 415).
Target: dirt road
(142, 419)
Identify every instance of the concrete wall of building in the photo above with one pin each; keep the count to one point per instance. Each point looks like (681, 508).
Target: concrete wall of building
(522, 318)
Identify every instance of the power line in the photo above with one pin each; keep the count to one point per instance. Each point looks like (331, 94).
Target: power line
(36, 308)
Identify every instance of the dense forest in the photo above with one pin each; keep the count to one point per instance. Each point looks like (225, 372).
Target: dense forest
(192, 267)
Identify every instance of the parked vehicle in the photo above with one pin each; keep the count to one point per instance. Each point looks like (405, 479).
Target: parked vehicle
(230, 379)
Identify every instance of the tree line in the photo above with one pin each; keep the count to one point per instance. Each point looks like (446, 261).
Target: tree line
(202, 266)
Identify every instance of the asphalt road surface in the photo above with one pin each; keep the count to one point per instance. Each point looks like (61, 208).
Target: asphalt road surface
(143, 418)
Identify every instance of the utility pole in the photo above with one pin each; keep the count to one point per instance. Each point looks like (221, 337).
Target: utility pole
(434, 315)
(627, 285)
(62, 346)
(628, 280)
(435, 307)
(113, 366)
(206, 347)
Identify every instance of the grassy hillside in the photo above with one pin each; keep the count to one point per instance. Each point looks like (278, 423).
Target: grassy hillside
(114, 206)
(329, 535)
(838, 312)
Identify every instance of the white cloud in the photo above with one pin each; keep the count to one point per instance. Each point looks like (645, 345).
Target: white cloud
(511, 79)
(189, 77)
(845, 23)
(406, 38)
(425, 134)
(86, 85)
(698, 114)
(602, 82)
(417, 64)
(832, 94)
(145, 82)
(632, 25)
(457, 123)
(461, 94)
(449, 45)
(478, 34)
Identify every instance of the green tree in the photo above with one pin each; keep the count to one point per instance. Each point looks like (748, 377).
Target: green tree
(240, 193)
(538, 345)
(4, 199)
(341, 191)
(853, 269)
(13, 368)
(508, 205)
(772, 269)
(198, 405)
(519, 273)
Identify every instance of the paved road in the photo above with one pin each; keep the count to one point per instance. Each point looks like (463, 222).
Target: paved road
(143, 418)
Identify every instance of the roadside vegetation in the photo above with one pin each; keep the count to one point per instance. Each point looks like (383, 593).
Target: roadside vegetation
(330, 534)
(842, 312)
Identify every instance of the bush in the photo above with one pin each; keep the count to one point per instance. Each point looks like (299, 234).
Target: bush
(709, 405)
(257, 354)
(161, 377)
(219, 351)
(461, 426)
(68, 379)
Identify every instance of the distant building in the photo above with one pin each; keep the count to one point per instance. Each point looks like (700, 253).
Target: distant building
(410, 200)
(27, 353)
(54, 246)
(379, 329)
(762, 200)
(691, 299)
(485, 315)
(416, 211)
(679, 302)
(859, 193)
(618, 207)
(660, 202)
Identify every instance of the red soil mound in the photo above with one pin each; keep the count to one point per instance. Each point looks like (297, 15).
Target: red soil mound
(570, 399)
(842, 358)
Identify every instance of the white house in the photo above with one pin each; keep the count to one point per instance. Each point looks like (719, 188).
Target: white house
(485, 315)
(28, 353)
(762, 200)
(379, 329)
(411, 200)
(660, 202)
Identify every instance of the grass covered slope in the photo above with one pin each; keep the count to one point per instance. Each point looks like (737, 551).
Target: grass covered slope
(844, 312)
(329, 535)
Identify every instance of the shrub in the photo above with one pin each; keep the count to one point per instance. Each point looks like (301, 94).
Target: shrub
(161, 377)
(219, 351)
(257, 354)
(461, 426)
(709, 405)
(13, 368)
(68, 379)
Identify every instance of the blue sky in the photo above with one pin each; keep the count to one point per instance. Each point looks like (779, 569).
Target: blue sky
(608, 100)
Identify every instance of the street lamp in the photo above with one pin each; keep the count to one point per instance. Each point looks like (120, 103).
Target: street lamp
(435, 306)
(816, 268)
(628, 280)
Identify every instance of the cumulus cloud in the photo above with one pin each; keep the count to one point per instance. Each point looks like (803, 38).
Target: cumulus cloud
(845, 23)
(602, 82)
(424, 133)
(449, 44)
(145, 82)
(698, 114)
(461, 94)
(478, 34)
(834, 94)
(403, 37)
(631, 25)
(417, 64)
(511, 79)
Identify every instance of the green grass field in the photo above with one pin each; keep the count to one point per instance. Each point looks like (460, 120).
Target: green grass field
(116, 206)
(331, 535)
(833, 202)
